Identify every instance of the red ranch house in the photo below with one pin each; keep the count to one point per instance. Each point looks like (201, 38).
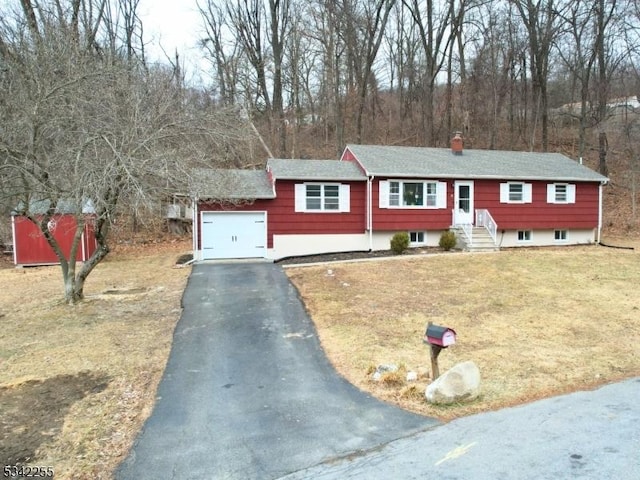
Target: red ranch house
(492, 198)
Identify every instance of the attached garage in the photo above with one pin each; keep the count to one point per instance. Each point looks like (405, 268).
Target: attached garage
(233, 235)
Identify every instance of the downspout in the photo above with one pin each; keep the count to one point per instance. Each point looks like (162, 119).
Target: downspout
(598, 233)
(195, 223)
(370, 210)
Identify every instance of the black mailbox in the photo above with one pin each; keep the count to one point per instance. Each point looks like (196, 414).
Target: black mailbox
(439, 335)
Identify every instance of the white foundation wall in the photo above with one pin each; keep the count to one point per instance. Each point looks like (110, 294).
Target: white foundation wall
(298, 245)
(382, 240)
(545, 238)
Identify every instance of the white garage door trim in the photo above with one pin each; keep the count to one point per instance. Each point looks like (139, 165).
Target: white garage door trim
(233, 235)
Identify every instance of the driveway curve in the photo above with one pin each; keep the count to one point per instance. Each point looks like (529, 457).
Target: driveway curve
(248, 392)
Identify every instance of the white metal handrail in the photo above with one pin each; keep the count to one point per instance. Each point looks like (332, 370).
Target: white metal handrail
(466, 228)
(484, 219)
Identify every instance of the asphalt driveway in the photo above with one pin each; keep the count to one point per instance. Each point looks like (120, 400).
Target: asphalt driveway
(248, 392)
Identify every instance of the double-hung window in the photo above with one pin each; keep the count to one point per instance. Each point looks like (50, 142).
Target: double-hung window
(322, 197)
(412, 194)
(561, 193)
(515, 192)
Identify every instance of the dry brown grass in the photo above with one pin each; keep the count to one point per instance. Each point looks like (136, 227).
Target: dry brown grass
(538, 322)
(90, 371)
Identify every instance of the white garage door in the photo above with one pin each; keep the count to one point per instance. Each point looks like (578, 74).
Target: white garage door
(234, 235)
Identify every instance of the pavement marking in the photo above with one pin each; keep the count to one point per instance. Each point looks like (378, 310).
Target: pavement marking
(455, 453)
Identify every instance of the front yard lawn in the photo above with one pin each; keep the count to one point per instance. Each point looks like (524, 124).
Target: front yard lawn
(77, 382)
(537, 322)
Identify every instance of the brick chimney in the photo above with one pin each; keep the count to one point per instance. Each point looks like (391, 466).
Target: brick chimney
(456, 144)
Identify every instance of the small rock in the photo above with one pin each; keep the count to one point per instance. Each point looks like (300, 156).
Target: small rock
(459, 384)
(412, 376)
(345, 284)
(384, 368)
(389, 367)
(329, 273)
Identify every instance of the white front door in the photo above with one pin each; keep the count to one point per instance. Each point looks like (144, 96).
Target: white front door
(463, 206)
(233, 235)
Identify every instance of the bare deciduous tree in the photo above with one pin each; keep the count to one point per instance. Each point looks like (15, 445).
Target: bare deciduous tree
(83, 126)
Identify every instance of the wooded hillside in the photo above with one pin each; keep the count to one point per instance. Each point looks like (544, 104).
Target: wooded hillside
(544, 75)
(312, 76)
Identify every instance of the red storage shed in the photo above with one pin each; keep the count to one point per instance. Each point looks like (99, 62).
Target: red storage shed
(30, 247)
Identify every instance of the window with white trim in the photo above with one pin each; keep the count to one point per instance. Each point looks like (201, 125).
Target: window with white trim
(417, 238)
(412, 194)
(560, 235)
(322, 197)
(524, 235)
(515, 192)
(561, 193)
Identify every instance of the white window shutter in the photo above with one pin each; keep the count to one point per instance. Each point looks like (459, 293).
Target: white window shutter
(571, 193)
(551, 193)
(345, 197)
(441, 195)
(383, 197)
(504, 193)
(527, 194)
(301, 197)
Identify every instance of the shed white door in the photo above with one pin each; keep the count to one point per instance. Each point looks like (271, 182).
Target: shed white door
(233, 235)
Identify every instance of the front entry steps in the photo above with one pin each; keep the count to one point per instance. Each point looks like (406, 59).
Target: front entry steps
(481, 240)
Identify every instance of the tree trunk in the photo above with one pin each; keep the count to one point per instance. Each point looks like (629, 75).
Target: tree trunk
(603, 146)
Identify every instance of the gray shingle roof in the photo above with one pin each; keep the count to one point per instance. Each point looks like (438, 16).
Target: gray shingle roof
(442, 163)
(230, 184)
(65, 206)
(321, 170)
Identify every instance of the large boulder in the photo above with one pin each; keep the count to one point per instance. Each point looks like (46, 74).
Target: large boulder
(460, 384)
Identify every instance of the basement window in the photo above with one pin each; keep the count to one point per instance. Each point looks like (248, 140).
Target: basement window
(417, 238)
(560, 235)
(524, 235)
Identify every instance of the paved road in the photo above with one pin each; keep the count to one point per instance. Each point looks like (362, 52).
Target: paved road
(248, 393)
(585, 435)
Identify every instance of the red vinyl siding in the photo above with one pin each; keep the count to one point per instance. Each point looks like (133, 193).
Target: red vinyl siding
(583, 214)
(348, 156)
(282, 219)
(539, 214)
(414, 219)
(31, 248)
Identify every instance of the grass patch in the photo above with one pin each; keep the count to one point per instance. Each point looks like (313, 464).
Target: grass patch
(77, 382)
(537, 322)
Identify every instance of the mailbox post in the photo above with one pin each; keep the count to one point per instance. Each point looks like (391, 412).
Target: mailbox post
(438, 337)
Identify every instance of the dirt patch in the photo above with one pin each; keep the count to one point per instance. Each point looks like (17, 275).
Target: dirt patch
(34, 412)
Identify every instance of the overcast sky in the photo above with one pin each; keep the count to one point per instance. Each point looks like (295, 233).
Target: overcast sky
(168, 24)
(172, 24)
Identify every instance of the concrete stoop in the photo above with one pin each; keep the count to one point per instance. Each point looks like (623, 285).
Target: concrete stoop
(482, 241)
